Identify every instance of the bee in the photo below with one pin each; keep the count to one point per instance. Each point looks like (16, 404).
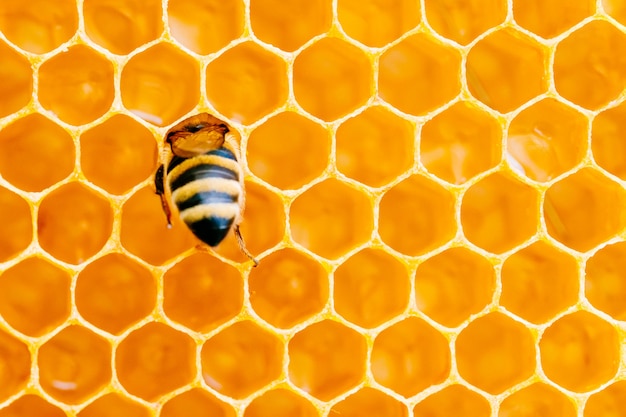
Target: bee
(204, 179)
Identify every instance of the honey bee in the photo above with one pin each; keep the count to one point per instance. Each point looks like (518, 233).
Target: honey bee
(204, 179)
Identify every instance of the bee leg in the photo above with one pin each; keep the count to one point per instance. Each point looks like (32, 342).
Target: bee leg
(242, 246)
(159, 184)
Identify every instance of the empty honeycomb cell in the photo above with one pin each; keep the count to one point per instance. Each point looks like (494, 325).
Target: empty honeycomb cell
(202, 292)
(375, 146)
(453, 285)
(34, 296)
(590, 65)
(494, 353)
(241, 359)
(376, 23)
(605, 280)
(506, 69)
(371, 402)
(155, 360)
(499, 212)
(121, 26)
(583, 210)
(287, 288)
(247, 82)
(196, 403)
(331, 218)
(38, 26)
(609, 150)
(35, 153)
(74, 223)
(31, 405)
(205, 27)
(419, 74)
(76, 85)
(616, 9)
(18, 233)
(160, 84)
(416, 216)
(130, 149)
(410, 356)
(281, 24)
(288, 164)
(14, 365)
(17, 86)
(538, 282)
(451, 401)
(326, 359)
(580, 351)
(74, 364)
(280, 403)
(538, 399)
(551, 19)
(114, 405)
(460, 143)
(144, 230)
(547, 139)
(463, 21)
(362, 296)
(332, 78)
(114, 292)
(608, 402)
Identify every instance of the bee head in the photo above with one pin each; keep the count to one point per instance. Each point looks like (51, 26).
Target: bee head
(196, 135)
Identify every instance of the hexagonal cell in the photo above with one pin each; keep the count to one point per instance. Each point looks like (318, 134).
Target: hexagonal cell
(616, 9)
(196, 403)
(74, 364)
(538, 282)
(341, 350)
(205, 27)
(499, 213)
(280, 23)
(17, 75)
(416, 216)
(494, 353)
(453, 400)
(362, 296)
(38, 26)
(35, 153)
(130, 149)
(605, 280)
(547, 139)
(247, 82)
(375, 23)
(332, 78)
(288, 164)
(144, 230)
(453, 285)
(363, 139)
(74, 223)
(609, 150)
(580, 351)
(551, 19)
(609, 401)
(154, 360)
(76, 85)
(34, 296)
(31, 405)
(370, 402)
(460, 143)
(287, 288)
(410, 356)
(588, 65)
(463, 21)
(584, 209)
(202, 292)
(506, 69)
(280, 403)
(18, 233)
(241, 359)
(160, 84)
(15, 365)
(419, 74)
(331, 218)
(121, 26)
(113, 405)
(538, 399)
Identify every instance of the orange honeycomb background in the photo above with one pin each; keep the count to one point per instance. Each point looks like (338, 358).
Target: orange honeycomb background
(435, 192)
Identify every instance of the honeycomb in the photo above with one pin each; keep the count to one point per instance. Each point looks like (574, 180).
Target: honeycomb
(435, 192)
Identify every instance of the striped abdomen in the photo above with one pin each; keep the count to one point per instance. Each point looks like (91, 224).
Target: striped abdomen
(206, 190)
